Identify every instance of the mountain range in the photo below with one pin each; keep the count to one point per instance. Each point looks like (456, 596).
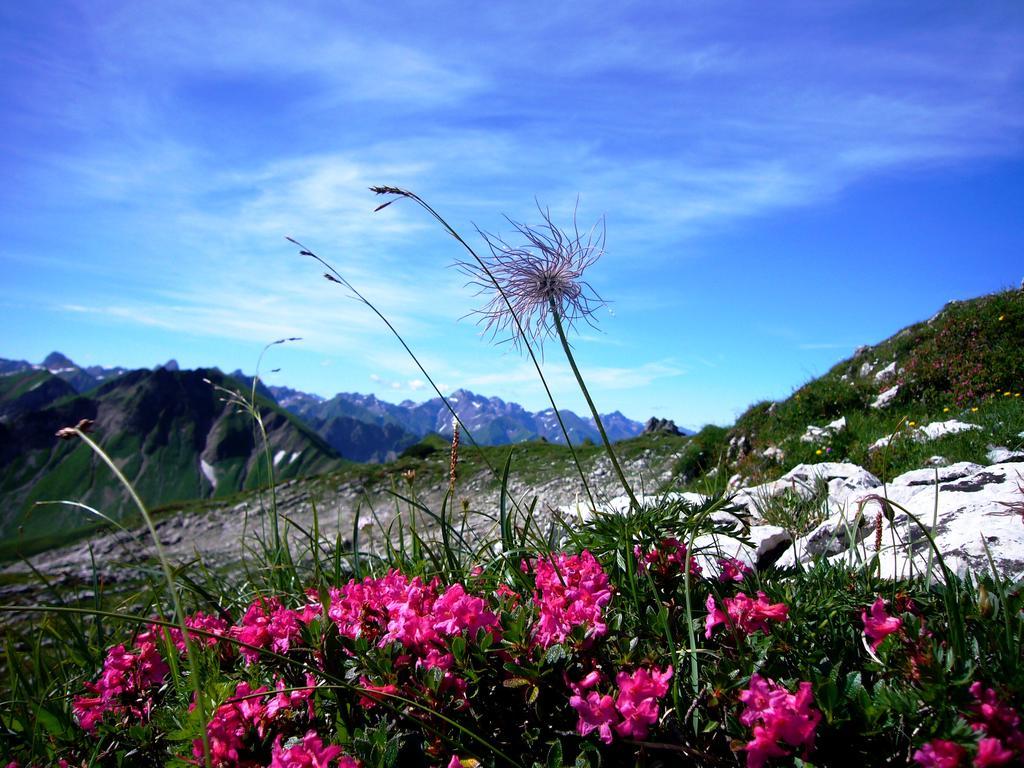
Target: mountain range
(181, 435)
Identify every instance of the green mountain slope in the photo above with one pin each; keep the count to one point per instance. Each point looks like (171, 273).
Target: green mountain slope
(170, 432)
(966, 363)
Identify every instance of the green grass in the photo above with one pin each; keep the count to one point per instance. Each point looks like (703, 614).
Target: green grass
(958, 365)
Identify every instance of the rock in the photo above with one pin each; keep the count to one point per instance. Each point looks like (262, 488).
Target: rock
(967, 512)
(767, 544)
(945, 474)
(998, 454)
(865, 369)
(861, 350)
(928, 432)
(889, 372)
(885, 397)
(939, 429)
(937, 461)
(815, 434)
(833, 536)
(774, 453)
(660, 426)
(739, 446)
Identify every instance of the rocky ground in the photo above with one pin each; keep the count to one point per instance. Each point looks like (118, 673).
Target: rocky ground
(220, 535)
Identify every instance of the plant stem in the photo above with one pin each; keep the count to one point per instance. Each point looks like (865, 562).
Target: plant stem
(593, 408)
(515, 318)
(172, 587)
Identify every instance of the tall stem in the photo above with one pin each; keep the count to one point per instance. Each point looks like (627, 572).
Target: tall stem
(593, 408)
(523, 336)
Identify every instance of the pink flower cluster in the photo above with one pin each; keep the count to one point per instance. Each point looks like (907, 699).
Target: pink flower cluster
(214, 625)
(395, 608)
(268, 624)
(878, 625)
(309, 753)
(996, 722)
(630, 713)
(125, 685)
(572, 591)
(668, 558)
(778, 718)
(248, 712)
(733, 569)
(744, 614)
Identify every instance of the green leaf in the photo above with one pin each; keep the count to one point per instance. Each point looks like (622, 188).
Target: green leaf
(555, 654)
(555, 755)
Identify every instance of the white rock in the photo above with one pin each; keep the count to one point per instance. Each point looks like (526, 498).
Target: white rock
(939, 429)
(966, 513)
(278, 456)
(766, 543)
(773, 453)
(889, 372)
(928, 432)
(881, 443)
(865, 369)
(885, 397)
(817, 434)
(945, 474)
(998, 454)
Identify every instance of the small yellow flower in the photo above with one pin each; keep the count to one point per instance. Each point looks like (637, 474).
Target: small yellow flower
(911, 423)
(1006, 394)
(1001, 317)
(974, 410)
(946, 409)
(818, 452)
(1017, 395)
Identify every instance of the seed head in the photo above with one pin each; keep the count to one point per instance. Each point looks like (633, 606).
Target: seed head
(541, 276)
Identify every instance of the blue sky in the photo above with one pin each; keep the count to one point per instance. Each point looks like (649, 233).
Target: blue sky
(781, 182)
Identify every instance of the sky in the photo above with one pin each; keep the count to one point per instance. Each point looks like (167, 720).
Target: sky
(779, 183)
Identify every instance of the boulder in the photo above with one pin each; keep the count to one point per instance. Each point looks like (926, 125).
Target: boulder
(998, 454)
(660, 426)
(885, 397)
(815, 434)
(889, 372)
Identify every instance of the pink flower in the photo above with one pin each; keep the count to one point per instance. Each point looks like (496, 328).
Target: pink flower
(637, 701)
(776, 715)
(940, 753)
(572, 591)
(991, 752)
(125, 685)
(309, 753)
(268, 624)
(368, 699)
(744, 614)
(455, 612)
(733, 569)
(596, 713)
(998, 722)
(294, 699)
(879, 625)
(631, 712)
(668, 557)
(455, 762)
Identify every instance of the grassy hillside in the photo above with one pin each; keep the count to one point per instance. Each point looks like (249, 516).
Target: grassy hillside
(171, 433)
(965, 363)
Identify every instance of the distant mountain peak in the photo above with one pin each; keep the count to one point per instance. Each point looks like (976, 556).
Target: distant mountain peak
(59, 361)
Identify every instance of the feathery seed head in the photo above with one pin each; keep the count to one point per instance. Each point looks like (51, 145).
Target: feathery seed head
(535, 279)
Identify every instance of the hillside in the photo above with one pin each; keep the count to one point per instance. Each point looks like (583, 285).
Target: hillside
(170, 432)
(962, 369)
